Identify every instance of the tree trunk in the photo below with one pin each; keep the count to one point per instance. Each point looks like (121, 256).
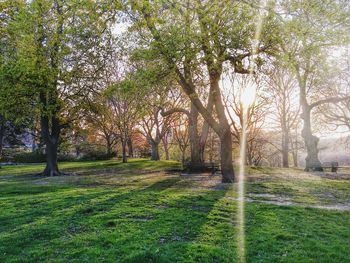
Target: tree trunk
(51, 144)
(205, 130)
(311, 143)
(285, 149)
(124, 157)
(295, 158)
(155, 151)
(51, 168)
(2, 131)
(165, 146)
(223, 131)
(108, 146)
(130, 148)
(226, 157)
(193, 135)
(203, 141)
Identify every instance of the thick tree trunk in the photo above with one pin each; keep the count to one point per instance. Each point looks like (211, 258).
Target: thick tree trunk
(155, 151)
(51, 168)
(223, 131)
(130, 148)
(226, 157)
(51, 140)
(311, 143)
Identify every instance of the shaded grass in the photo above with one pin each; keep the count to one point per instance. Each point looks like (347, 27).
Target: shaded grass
(133, 164)
(128, 216)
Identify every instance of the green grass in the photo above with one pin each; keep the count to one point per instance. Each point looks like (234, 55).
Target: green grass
(113, 212)
(133, 164)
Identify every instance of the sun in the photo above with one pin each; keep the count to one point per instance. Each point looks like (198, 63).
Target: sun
(248, 96)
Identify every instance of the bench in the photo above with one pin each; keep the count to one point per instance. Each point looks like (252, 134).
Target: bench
(201, 167)
(334, 166)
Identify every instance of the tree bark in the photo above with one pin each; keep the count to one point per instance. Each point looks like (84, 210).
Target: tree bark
(193, 135)
(155, 150)
(311, 143)
(2, 131)
(165, 146)
(226, 157)
(51, 168)
(285, 149)
(124, 157)
(130, 148)
(108, 146)
(295, 159)
(285, 134)
(51, 140)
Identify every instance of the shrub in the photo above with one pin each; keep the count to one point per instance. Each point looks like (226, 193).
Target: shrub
(95, 155)
(29, 157)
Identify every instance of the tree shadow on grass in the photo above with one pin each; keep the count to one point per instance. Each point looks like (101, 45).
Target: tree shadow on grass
(51, 212)
(159, 222)
(296, 234)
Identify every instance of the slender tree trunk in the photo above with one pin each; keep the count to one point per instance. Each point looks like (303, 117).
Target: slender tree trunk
(130, 148)
(108, 146)
(203, 141)
(285, 149)
(34, 144)
(166, 148)
(2, 131)
(311, 143)
(295, 159)
(124, 157)
(205, 130)
(155, 150)
(193, 135)
(183, 156)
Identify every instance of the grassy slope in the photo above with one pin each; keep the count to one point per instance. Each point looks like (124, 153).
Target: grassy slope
(159, 217)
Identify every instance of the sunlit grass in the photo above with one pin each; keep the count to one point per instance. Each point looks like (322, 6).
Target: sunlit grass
(128, 216)
(134, 163)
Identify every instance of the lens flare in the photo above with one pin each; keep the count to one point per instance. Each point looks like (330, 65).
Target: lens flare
(248, 95)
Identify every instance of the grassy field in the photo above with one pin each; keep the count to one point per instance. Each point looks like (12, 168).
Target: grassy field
(144, 212)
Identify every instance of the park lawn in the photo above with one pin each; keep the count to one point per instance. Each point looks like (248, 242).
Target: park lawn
(124, 215)
(133, 164)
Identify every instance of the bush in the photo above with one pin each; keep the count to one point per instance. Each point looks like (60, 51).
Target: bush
(66, 158)
(96, 156)
(29, 157)
(9, 153)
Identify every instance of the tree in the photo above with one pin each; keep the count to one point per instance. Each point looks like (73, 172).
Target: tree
(57, 50)
(338, 115)
(282, 87)
(180, 137)
(306, 39)
(100, 116)
(155, 124)
(256, 113)
(125, 100)
(196, 39)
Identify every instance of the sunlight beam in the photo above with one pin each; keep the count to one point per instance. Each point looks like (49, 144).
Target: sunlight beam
(247, 98)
